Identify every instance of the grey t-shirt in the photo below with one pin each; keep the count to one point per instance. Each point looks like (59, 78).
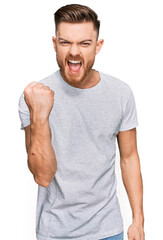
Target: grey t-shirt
(81, 201)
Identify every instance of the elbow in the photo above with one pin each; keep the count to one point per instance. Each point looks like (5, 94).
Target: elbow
(43, 181)
(43, 173)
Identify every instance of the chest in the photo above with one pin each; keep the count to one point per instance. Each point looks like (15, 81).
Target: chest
(92, 116)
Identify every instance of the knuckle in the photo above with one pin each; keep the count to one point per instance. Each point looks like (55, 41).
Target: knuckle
(52, 95)
(40, 84)
(47, 88)
(26, 90)
(30, 86)
(33, 83)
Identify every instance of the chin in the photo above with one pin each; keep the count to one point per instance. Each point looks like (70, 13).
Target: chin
(73, 77)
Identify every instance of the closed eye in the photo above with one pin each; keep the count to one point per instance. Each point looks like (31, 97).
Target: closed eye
(64, 42)
(85, 43)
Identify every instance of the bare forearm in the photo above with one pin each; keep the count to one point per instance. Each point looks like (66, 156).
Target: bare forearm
(132, 179)
(41, 156)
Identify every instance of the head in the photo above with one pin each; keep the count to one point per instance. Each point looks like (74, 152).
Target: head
(76, 42)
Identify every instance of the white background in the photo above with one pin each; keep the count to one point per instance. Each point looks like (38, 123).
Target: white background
(132, 52)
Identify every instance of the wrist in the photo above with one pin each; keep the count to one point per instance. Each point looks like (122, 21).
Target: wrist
(139, 220)
(39, 124)
(38, 119)
(40, 131)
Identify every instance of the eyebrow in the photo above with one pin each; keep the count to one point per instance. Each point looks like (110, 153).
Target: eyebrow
(86, 40)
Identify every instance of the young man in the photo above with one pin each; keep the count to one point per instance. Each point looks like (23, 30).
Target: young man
(72, 119)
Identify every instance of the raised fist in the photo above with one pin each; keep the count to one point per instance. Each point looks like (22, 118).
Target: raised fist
(39, 99)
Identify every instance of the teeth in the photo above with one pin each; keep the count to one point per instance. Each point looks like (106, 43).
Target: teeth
(71, 61)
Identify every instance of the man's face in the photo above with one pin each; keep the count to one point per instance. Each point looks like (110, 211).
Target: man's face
(76, 46)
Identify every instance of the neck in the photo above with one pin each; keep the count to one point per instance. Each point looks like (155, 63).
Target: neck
(91, 79)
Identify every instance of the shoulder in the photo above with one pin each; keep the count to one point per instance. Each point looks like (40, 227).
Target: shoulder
(50, 80)
(115, 85)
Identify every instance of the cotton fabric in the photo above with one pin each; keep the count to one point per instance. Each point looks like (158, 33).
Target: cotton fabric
(115, 237)
(81, 201)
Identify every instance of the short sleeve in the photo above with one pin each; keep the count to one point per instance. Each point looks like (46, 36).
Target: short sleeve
(24, 113)
(129, 114)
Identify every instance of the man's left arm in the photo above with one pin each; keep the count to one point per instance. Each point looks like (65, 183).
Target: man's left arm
(132, 179)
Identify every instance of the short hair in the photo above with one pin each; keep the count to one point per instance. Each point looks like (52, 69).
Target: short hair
(76, 13)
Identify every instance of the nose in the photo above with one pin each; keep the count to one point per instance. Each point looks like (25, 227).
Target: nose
(74, 50)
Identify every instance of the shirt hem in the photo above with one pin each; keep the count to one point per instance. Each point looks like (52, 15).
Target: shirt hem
(25, 124)
(129, 126)
(98, 237)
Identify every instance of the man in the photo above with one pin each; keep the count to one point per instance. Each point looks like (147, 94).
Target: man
(72, 119)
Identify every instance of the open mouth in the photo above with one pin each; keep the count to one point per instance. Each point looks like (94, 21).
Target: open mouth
(74, 66)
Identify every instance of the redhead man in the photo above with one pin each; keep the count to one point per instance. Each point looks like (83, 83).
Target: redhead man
(72, 120)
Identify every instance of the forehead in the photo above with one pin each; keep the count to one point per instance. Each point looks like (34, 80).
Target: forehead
(76, 31)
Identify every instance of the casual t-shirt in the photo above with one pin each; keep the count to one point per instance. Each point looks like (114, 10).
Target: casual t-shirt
(81, 201)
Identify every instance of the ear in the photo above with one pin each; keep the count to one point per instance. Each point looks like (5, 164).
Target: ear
(99, 44)
(54, 43)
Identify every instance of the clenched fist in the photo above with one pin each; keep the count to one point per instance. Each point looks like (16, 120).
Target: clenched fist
(39, 99)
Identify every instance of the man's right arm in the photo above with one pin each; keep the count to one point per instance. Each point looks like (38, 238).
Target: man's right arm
(41, 156)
